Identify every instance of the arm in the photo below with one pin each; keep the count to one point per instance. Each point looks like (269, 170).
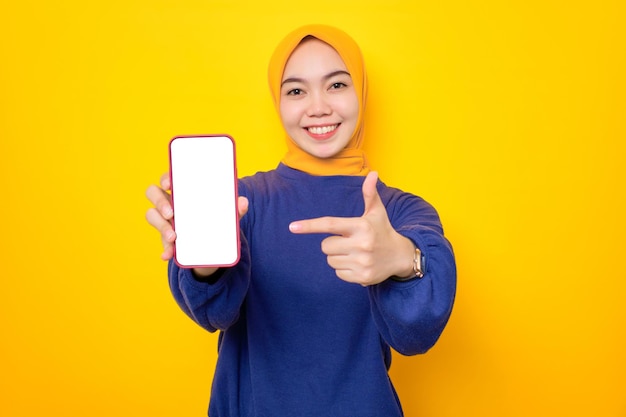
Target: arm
(211, 297)
(212, 305)
(380, 244)
(411, 315)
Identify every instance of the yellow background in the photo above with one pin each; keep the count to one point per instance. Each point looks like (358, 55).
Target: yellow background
(507, 116)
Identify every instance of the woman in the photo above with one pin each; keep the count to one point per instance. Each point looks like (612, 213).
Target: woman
(336, 267)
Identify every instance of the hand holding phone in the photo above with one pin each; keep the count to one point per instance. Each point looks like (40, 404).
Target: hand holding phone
(204, 198)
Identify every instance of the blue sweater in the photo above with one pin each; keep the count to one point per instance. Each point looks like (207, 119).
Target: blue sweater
(296, 340)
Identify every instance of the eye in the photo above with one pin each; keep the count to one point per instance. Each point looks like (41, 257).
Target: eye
(337, 85)
(294, 92)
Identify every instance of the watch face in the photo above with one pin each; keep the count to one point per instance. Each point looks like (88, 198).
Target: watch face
(418, 267)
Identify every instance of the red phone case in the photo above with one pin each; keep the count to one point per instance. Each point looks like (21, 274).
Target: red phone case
(206, 219)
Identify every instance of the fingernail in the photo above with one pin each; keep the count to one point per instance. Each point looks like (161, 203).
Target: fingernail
(295, 227)
(168, 213)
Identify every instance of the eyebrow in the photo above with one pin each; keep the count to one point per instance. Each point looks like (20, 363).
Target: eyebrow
(325, 77)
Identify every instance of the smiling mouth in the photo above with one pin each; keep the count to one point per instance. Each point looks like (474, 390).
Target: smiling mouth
(322, 130)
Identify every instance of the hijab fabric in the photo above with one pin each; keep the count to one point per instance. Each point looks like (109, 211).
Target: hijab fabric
(351, 160)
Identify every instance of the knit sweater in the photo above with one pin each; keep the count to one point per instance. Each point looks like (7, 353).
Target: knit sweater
(295, 340)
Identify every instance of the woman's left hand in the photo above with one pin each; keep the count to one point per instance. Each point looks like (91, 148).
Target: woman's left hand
(364, 250)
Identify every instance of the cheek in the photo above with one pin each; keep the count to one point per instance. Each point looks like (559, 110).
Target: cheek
(355, 107)
(288, 114)
(349, 107)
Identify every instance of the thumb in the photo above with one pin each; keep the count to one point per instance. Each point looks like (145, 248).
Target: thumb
(370, 193)
(242, 206)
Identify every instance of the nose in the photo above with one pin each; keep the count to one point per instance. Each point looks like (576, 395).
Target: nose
(318, 105)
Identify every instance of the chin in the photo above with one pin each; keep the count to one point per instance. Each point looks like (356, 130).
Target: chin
(324, 153)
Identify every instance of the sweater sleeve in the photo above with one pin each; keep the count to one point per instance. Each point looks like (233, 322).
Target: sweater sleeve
(411, 315)
(213, 306)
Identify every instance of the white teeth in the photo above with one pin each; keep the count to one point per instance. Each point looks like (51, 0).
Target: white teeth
(320, 130)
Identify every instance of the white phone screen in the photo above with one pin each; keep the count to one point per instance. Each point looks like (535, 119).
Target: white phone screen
(204, 197)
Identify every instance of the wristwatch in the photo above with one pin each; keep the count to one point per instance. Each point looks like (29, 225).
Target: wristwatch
(418, 267)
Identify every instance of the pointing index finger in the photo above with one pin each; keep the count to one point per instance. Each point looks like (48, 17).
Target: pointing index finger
(332, 225)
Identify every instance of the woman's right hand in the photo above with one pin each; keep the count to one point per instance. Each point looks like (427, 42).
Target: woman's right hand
(160, 217)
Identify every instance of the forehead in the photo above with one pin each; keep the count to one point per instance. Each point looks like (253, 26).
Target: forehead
(313, 55)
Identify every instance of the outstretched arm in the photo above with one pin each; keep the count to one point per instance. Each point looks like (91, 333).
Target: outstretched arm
(212, 299)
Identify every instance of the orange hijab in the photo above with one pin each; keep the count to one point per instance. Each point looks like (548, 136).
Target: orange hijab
(351, 160)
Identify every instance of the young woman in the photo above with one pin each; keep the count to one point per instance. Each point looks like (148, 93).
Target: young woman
(336, 267)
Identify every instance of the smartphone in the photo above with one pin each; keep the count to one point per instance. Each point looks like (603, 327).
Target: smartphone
(203, 172)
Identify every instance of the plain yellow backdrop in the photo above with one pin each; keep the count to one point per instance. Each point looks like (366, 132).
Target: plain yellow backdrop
(509, 117)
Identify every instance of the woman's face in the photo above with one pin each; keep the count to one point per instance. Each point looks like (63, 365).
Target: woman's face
(319, 108)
